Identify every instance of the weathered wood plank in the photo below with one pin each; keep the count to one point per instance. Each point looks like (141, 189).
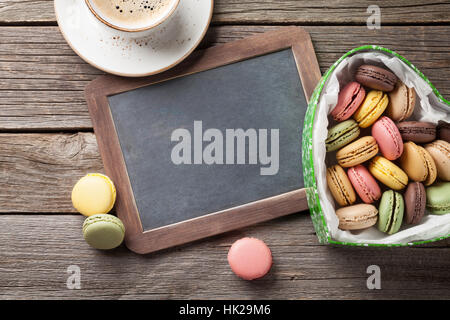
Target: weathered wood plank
(35, 252)
(41, 78)
(271, 12)
(323, 11)
(38, 171)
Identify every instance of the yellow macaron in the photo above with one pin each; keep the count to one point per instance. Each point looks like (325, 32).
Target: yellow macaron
(388, 173)
(94, 194)
(371, 109)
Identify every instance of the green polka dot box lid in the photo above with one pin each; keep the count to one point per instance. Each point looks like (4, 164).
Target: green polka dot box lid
(430, 106)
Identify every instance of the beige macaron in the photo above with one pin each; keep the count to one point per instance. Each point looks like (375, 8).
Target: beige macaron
(356, 217)
(440, 152)
(418, 163)
(402, 101)
(340, 186)
(357, 152)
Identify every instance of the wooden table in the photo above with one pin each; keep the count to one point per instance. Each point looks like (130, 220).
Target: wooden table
(47, 143)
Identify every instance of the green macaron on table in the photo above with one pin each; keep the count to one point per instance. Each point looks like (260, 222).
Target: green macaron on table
(103, 231)
(317, 141)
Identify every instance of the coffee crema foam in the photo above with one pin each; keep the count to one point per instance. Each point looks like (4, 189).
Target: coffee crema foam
(131, 14)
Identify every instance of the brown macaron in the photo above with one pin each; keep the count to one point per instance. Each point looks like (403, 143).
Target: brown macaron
(443, 131)
(440, 151)
(418, 163)
(376, 78)
(417, 131)
(402, 101)
(415, 202)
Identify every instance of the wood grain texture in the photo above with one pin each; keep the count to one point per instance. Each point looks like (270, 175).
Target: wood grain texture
(269, 11)
(38, 171)
(42, 79)
(35, 252)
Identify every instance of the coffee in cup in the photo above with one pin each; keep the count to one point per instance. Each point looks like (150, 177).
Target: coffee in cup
(132, 15)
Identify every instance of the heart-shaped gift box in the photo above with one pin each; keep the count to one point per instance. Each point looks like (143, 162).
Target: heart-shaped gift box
(430, 106)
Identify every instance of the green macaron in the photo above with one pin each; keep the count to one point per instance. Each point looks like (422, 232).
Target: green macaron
(103, 231)
(341, 134)
(390, 212)
(438, 198)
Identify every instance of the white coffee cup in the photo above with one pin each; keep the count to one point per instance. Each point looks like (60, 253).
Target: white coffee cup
(132, 26)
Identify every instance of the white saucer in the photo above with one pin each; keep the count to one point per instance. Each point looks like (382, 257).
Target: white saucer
(134, 55)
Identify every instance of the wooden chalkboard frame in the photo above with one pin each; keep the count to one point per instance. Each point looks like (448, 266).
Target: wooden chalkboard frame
(97, 93)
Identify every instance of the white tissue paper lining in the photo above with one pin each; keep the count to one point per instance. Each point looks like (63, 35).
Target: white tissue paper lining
(428, 108)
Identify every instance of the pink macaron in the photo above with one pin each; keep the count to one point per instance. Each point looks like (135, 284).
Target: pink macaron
(364, 183)
(349, 99)
(388, 138)
(250, 258)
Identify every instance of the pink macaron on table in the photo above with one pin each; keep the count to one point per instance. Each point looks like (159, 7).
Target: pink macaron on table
(250, 258)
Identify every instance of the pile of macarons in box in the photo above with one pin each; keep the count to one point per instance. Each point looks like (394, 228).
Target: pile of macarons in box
(390, 170)
(94, 195)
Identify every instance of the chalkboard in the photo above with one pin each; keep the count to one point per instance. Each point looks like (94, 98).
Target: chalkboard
(211, 145)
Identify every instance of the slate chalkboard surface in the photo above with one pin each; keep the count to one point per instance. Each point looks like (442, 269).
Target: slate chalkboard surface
(260, 93)
(154, 134)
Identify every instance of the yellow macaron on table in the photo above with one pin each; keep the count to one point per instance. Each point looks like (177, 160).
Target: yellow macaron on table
(93, 194)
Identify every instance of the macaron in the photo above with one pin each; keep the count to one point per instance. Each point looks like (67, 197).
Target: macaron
(371, 109)
(250, 258)
(415, 202)
(440, 152)
(356, 217)
(391, 211)
(340, 186)
(417, 131)
(402, 101)
(341, 134)
(388, 173)
(365, 185)
(388, 138)
(349, 99)
(376, 78)
(438, 198)
(357, 152)
(443, 131)
(103, 231)
(418, 164)
(93, 194)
